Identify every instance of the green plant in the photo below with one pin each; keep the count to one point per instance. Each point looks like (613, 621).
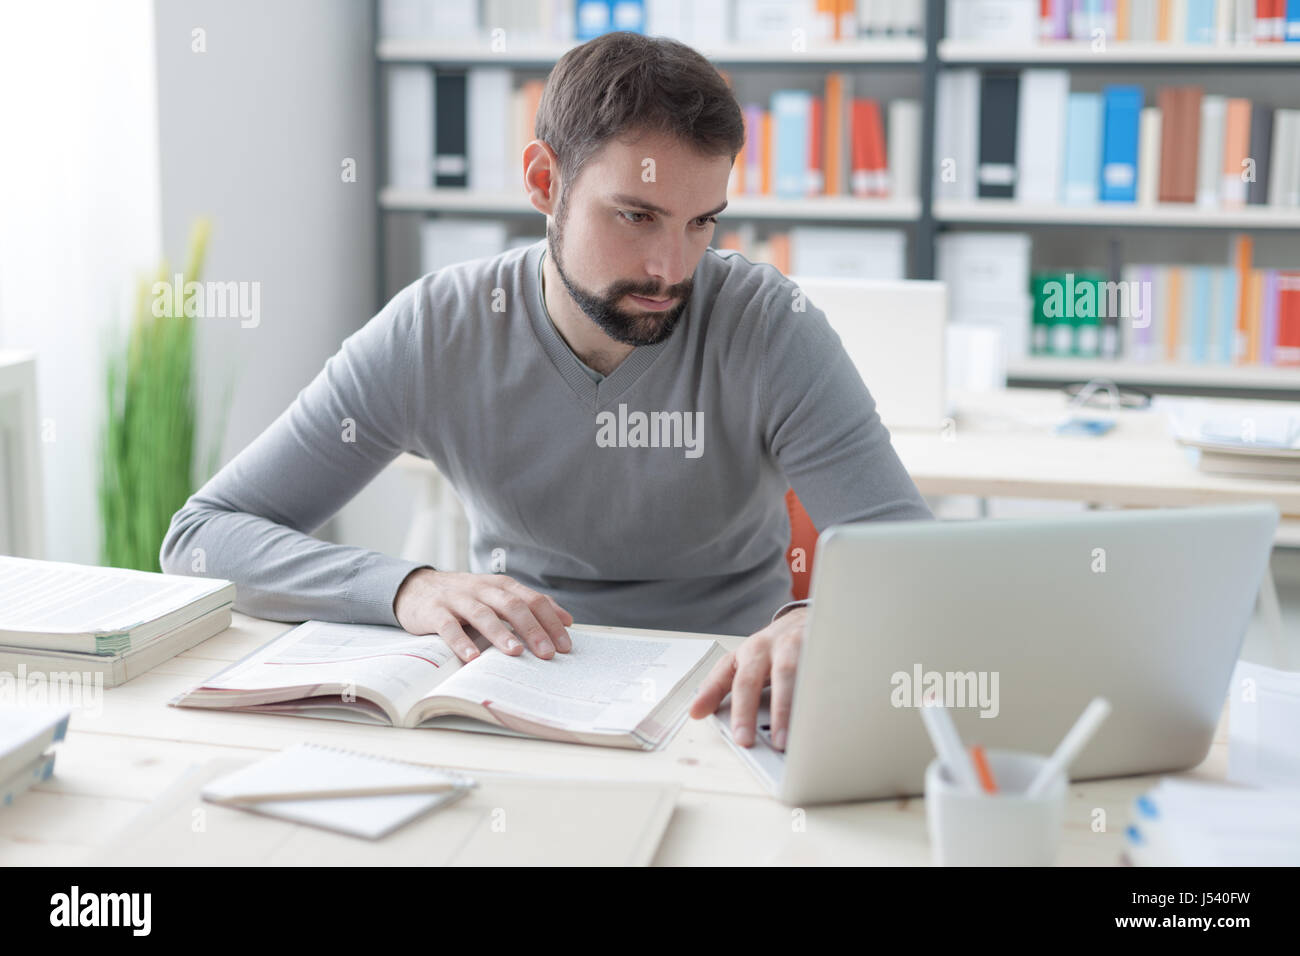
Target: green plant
(147, 449)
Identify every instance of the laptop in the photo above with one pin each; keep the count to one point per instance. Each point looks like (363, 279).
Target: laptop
(894, 331)
(1020, 623)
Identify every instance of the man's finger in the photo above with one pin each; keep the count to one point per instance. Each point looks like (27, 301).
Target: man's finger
(785, 662)
(544, 609)
(487, 623)
(511, 607)
(565, 617)
(746, 688)
(714, 688)
(454, 636)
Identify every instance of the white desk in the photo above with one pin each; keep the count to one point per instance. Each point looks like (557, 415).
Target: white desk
(991, 450)
(112, 765)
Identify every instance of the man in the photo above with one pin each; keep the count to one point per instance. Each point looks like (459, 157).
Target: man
(620, 408)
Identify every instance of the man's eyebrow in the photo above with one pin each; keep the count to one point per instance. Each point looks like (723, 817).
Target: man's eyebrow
(635, 203)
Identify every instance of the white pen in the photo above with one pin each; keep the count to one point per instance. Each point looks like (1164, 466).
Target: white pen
(1071, 743)
(948, 745)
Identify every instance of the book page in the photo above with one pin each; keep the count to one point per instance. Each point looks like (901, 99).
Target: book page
(605, 684)
(403, 667)
(53, 597)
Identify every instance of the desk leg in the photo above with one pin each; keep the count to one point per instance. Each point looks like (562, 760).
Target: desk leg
(1270, 611)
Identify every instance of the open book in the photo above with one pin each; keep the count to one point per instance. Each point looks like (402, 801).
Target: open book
(614, 690)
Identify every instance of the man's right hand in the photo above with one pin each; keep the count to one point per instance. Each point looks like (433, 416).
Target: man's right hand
(443, 602)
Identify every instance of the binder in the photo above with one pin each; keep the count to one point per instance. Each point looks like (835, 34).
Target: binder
(999, 108)
(1123, 111)
(451, 134)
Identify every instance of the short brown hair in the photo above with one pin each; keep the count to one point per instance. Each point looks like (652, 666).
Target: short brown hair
(623, 82)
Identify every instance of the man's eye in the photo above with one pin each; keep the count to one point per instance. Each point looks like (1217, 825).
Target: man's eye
(625, 215)
(706, 221)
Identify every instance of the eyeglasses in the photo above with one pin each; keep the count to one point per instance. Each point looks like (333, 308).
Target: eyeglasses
(1103, 393)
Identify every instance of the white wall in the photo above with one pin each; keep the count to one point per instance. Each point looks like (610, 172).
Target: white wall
(79, 222)
(253, 134)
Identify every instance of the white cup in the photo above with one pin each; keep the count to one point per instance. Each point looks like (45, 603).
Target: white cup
(1007, 828)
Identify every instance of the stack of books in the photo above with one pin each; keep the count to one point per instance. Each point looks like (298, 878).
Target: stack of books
(706, 26)
(1027, 136)
(100, 624)
(829, 143)
(466, 129)
(1239, 439)
(1192, 22)
(26, 734)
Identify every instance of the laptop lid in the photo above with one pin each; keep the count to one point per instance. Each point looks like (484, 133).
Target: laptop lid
(1023, 621)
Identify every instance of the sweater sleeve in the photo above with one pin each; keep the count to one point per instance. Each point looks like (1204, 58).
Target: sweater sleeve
(252, 522)
(821, 423)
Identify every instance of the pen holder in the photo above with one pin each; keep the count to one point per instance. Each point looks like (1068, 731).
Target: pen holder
(1007, 828)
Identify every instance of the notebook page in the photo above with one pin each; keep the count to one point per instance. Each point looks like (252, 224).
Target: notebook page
(313, 767)
(401, 666)
(605, 683)
(60, 598)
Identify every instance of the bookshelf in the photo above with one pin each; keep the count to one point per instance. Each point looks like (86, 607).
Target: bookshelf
(1161, 215)
(814, 209)
(924, 217)
(1074, 54)
(543, 56)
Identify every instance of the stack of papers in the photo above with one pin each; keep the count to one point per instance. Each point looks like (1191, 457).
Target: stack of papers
(1183, 823)
(1255, 821)
(112, 622)
(1245, 439)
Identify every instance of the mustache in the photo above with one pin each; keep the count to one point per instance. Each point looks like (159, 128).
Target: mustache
(657, 295)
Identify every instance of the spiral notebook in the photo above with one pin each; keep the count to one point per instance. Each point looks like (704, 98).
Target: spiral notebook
(305, 767)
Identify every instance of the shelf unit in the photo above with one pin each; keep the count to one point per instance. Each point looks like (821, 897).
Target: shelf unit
(925, 216)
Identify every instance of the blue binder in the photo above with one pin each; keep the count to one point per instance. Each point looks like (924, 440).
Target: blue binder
(1082, 149)
(1118, 181)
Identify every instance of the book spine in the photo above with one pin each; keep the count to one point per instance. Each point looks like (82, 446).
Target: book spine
(1119, 173)
(999, 103)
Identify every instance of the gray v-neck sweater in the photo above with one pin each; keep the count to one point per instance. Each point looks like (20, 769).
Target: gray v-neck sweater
(652, 498)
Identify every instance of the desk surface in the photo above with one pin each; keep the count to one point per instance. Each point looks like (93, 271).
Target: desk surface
(1001, 445)
(115, 762)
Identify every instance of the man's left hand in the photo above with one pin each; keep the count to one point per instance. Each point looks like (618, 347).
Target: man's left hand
(770, 656)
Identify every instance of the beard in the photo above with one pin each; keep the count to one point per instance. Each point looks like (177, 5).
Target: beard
(630, 328)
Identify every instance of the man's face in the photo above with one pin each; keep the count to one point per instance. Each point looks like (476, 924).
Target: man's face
(637, 223)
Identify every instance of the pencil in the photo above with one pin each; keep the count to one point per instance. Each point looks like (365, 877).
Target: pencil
(238, 799)
(982, 769)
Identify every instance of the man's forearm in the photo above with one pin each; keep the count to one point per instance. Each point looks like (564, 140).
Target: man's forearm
(282, 574)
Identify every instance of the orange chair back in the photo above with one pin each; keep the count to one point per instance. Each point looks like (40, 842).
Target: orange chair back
(803, 543)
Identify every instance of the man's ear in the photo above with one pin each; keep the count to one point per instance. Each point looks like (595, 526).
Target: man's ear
(541, 177)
